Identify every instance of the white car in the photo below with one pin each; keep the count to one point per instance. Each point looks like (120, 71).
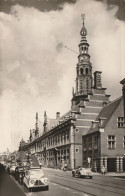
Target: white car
(34, 178)
(82, 172)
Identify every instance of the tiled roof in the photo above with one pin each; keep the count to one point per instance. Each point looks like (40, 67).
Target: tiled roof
(106, 113)
(51, 123)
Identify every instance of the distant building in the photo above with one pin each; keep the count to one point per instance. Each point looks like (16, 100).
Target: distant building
(61, 139)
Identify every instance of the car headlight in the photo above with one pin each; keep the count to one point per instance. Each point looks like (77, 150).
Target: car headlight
(32, 181)
(46, 180)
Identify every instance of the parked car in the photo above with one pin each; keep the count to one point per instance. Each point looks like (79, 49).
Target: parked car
(80, 171)
(34, 178)
(12, 169)
(19, 173)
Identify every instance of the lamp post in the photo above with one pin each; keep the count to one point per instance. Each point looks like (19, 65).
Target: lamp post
(28, 158)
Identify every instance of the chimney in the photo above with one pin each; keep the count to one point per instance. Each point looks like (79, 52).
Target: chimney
(97, 80)
(57, 115)
(37, 121)
(123, 93)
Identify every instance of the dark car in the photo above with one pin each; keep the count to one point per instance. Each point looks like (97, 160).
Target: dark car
(19, 173)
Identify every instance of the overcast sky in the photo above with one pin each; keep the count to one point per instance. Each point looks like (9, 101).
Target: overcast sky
(37, 72)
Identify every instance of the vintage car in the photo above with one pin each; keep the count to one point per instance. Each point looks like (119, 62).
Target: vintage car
(19, 173)
(80, 172)
(12, 169)
(34, 178)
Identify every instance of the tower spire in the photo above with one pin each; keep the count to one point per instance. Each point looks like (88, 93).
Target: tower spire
(83, 68)
(83, 31)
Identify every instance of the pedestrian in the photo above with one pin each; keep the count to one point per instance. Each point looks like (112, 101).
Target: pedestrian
(40, 164)
(103, 170)
(65, 167)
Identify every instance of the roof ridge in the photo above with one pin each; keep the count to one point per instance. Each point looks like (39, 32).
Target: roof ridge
(113, 101)
(118, 100)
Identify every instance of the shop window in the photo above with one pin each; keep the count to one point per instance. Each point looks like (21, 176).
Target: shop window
(111, 142)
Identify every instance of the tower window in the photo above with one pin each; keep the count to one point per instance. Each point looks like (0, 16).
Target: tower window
(81, 71)
(82, 49)
(87, 71)
(85, 49)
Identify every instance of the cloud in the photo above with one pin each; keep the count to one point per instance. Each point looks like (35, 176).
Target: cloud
(37, 72)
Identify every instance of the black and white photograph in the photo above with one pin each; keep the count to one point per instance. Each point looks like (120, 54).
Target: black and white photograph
(62, 97)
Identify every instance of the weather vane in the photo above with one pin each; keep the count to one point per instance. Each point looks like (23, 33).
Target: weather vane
(83, 17)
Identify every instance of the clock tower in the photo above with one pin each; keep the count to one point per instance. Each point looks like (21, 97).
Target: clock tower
(83, 69)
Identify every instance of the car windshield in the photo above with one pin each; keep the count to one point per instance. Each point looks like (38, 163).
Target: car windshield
(38, 172)
(13, 166)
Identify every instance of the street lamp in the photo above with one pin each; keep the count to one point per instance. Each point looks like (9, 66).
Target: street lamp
(28, 158)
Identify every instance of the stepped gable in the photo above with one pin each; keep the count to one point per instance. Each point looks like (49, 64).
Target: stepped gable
(90, 108)
(105, 114)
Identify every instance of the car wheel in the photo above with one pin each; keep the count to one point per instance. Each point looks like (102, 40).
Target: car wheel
(79, 175)
(47, 188)
(30, 189)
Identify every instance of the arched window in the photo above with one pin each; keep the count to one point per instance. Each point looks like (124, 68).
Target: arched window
(87, 84)
(85, 49)
(81, 71)
(86, 71)
(82, 49)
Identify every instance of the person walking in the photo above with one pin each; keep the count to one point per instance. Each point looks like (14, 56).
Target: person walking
(103, 170)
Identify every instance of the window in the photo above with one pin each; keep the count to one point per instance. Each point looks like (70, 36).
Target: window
(84, 142)
(67, 135)
(86, 71)
(77, 150)
(90, 143)
(95, 142)
(120, 122)
(124, 142)
(76, 130)
(81, 71)
(111, 142)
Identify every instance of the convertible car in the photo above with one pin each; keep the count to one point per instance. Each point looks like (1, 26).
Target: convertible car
(82, 172)
(34, 178)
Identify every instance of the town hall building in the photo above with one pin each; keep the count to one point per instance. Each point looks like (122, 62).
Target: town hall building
(65, 139)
